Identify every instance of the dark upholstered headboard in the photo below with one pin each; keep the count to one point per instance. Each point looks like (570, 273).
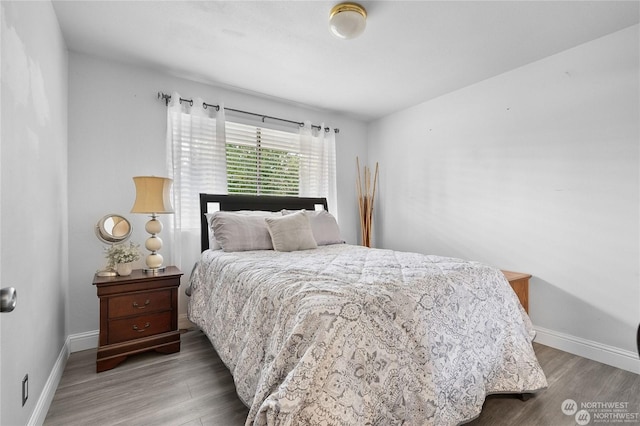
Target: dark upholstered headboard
(250, 202)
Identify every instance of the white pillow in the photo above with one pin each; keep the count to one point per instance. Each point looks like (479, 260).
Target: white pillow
(323, 225)
(241, 231)
(291, 232)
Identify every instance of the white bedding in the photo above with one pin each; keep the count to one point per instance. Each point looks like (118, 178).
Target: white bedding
(345, 335)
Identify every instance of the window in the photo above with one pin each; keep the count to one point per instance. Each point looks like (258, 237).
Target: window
(208, 154)
(262, 161)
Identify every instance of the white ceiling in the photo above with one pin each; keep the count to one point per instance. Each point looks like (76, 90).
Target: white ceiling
(411, 51)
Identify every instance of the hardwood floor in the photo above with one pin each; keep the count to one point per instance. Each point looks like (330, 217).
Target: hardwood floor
(193, 387)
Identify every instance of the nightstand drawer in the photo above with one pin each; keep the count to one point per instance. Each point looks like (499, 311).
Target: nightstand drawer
(139, 303)
(125, 329)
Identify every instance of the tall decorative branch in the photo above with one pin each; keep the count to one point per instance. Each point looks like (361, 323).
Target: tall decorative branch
(366, 198)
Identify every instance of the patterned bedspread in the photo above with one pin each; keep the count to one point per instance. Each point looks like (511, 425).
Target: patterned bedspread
(345, 335)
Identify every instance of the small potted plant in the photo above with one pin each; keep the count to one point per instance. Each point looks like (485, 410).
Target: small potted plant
(121, 256)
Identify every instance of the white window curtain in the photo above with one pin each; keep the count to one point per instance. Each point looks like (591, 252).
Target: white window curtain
(196, 156)
(318, 164)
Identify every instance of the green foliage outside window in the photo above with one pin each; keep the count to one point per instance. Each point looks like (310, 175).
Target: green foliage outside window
(261, 171)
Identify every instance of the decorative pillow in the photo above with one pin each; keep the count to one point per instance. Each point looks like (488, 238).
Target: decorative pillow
(323, 225)
(241, 231)
(291, 232)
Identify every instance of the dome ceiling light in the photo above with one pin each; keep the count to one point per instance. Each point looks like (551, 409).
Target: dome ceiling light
(347, 20)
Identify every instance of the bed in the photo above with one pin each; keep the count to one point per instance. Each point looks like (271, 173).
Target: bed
(347, 335)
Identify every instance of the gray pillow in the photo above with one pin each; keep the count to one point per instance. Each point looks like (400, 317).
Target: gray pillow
(323, 225)
(291, 232)
(242, 231)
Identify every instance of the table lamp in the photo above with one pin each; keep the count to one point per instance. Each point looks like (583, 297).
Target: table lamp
(152, 197)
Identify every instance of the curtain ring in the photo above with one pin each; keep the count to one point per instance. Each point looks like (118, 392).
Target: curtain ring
(164, 96)
(206, 106)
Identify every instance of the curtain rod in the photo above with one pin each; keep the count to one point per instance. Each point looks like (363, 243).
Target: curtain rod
(205, 105)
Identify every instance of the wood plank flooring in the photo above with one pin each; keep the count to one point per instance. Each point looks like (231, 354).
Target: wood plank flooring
(193, 388)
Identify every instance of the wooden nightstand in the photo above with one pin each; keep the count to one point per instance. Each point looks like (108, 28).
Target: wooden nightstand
(138, 313)
(520, 285)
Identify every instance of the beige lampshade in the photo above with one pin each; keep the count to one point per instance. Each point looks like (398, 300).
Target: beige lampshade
(152, 195)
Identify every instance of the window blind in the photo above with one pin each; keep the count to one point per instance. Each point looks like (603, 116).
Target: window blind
(262, 161)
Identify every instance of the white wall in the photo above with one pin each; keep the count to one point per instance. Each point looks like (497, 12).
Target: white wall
(535, 170)
(34, 256)
(117, 130)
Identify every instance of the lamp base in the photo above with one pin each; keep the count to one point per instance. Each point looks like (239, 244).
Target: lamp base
(154, 271)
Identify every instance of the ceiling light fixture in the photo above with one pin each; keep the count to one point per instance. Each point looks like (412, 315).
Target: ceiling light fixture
(347, 20)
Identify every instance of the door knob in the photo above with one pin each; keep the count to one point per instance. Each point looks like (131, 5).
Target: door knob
(8, 299)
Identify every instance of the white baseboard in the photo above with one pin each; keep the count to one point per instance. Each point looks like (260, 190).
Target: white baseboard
(48, 392)
(83, 341)
(610, 355)
(74, 343)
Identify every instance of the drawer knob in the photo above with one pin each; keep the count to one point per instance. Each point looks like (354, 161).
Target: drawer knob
(146, 303)
(139, 330)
